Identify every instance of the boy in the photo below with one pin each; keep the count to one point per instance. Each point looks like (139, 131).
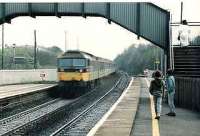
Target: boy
(156, 89)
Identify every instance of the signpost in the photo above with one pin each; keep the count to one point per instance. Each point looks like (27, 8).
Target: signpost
(157, 62)
(42, 75)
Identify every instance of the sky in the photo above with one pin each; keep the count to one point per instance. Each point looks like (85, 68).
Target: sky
(93, 34)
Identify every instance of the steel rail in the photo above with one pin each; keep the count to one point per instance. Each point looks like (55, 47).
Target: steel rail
(23, 101)
(20, 115)
(23, 113)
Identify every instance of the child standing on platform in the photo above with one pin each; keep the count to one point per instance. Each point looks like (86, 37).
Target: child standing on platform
(170, 84)
(156, 89)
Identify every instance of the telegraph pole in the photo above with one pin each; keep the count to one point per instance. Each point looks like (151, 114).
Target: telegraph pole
(35, 50)
(14, 45)
(2, 50)
(181, 12)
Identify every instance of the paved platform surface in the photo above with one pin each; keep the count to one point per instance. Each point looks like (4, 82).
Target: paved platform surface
(13, 90)
(121, 122)
(142, 125)
(186, 123)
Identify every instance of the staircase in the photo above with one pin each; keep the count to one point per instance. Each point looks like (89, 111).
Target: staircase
(187, 61)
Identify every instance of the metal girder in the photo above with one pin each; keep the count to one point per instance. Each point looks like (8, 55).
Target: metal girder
(138, 20)
(108, 12)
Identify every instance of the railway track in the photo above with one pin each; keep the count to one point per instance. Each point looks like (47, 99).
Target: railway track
(12, 125)
(20, 123)
(64, 129)
(16, 104)
(26, 122)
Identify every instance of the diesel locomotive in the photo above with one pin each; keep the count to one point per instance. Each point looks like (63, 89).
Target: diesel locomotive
(82, 69)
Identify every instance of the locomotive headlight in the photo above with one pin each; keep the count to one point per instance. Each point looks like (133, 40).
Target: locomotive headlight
(80, 70)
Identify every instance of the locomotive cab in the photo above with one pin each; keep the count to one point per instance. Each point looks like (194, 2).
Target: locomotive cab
(73, 69)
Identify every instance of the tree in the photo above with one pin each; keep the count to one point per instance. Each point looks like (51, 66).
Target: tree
(135, 60)
(46, 57)
(55, 49)
(196, 40)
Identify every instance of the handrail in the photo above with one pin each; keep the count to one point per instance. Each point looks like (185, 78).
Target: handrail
(189, 46)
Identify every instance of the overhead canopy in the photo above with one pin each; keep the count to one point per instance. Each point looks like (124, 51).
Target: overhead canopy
(144, 19)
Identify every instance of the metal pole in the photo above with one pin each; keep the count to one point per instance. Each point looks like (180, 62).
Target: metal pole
(171, 45)
(157, 58)
(2, 51)
(167, 49)
(155, 55)
(181, 12)
(161, 61)
(165, 62)
(14, 56)
(35, 51)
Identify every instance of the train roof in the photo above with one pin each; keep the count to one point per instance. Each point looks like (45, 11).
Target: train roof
(82, 54)
(76, 54)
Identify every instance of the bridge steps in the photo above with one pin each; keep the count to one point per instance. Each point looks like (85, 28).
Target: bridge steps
(187, 61)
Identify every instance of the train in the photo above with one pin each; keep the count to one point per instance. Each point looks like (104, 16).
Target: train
(81, 69)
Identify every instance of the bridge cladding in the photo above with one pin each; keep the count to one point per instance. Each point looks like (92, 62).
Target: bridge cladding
(144, 19)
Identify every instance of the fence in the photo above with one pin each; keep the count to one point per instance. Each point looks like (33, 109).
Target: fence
(188, 93)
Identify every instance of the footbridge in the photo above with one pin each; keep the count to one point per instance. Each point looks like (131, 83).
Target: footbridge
(144, 19)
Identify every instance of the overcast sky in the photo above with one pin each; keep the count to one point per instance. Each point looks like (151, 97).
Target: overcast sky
(92, 34)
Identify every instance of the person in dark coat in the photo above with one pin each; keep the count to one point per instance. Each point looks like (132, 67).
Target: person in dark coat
(156, 89)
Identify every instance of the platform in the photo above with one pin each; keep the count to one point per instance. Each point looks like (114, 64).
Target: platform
(133, 115)
(14, 90)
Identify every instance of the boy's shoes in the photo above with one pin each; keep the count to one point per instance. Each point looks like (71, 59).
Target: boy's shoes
(171, 114)
(157, 117)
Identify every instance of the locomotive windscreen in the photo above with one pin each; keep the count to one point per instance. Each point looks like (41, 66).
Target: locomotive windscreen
(71, 62)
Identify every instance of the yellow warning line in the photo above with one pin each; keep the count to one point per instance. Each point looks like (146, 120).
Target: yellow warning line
(155, 125)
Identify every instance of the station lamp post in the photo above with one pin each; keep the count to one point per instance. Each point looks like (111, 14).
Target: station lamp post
(157, 62)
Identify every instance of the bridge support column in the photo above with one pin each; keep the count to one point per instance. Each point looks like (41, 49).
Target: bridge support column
(166, 61)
